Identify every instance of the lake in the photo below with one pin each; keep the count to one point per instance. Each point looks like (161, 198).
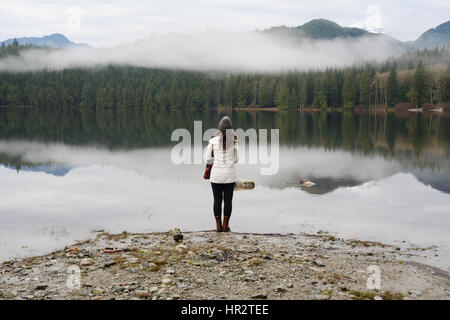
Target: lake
(379, 176)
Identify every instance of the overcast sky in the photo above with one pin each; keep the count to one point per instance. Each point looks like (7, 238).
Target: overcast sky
(108, 23)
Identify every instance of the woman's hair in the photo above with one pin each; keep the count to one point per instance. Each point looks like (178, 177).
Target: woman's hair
(224, 125)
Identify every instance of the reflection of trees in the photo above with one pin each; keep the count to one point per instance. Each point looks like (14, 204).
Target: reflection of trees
(364, 137)
(323, 133)
(348, 129)
(444, 134)
(391, 132)
(137, 128)
(417, 133)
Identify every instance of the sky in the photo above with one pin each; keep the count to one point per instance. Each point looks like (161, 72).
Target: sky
(109, 23)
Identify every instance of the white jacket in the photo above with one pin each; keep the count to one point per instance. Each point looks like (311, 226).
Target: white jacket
(223, 170)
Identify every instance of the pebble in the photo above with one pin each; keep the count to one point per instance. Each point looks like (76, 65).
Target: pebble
(152, 266)
(319, 263)
(259, 296)
(318, 297)
(98, 291)
(142, 294)
(108, 264)
(117, 289)
(170, 271)
(415, 293)
(153, 289)
(41, 287)
(177, 236)
(86, 262)
(133, 260)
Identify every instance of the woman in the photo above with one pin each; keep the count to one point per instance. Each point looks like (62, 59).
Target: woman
(222, 153)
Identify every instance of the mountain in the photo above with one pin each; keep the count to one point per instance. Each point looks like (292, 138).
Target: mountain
(318, 29)
(321, 29)
(56, 40)
(435, 37)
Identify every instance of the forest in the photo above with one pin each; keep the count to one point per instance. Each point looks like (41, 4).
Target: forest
(416, 77)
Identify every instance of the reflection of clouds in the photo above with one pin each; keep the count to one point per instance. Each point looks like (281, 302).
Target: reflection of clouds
(294, 162)
(117, 190)
(112, 198)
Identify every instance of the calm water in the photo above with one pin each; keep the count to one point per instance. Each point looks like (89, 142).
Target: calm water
(64, 173)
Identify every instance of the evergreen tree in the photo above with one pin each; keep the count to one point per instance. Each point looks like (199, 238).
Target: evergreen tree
(446, 85)
(282, 94)
(420, 89)
(349, 90)
(366, 80)
(265, 95)
(243, 92)
(87, 96)
(392, 88)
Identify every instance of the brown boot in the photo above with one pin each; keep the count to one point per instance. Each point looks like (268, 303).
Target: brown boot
(218, 224)
(225, 227)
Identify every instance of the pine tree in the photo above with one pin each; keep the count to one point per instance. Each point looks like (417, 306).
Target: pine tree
(282, 94)
(420, 87)
(366, 80)
(242, 92)
(324, 92)
(349, 90)
(229, 93)
(87, 96)
(446, 85)
(392, 87)
(139, 98)
(309, 88)
(265, 96)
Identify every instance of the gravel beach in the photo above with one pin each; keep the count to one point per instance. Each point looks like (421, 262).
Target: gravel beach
(209, 265)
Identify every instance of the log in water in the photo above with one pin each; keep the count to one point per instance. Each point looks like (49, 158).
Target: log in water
(244, 185)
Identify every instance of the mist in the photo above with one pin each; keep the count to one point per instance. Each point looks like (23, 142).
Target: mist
(213, 51)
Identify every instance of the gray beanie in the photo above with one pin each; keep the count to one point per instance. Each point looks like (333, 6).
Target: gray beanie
(225, 123)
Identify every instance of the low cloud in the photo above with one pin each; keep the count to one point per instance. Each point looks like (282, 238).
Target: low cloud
(214, 50)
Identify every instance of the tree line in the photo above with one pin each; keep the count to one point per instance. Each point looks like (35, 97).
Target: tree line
(405, 79)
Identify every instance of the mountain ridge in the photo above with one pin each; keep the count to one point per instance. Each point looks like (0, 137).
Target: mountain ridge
(316, 29)
(55, 40)
(322, 29)
(433, 37)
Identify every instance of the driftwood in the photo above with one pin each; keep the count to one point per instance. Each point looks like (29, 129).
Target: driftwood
(306, 183)
(244, 185)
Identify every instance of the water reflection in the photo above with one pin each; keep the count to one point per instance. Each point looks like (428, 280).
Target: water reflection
(65, 172)
(128, 128)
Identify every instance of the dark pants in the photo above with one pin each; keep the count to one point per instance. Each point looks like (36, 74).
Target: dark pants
(222, 191)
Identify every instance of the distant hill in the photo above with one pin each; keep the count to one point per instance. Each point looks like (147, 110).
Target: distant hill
(318, 29)
(56, 40)
(435, 37)
(322, 29)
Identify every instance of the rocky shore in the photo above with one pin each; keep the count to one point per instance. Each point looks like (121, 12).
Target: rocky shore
(210, 265)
